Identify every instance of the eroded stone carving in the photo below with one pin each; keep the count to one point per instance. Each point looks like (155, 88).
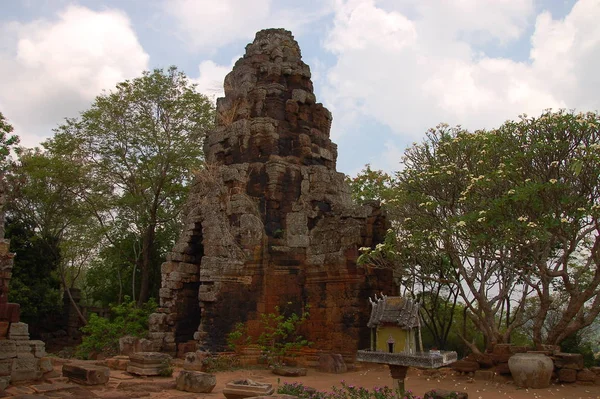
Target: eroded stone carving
(270, 222)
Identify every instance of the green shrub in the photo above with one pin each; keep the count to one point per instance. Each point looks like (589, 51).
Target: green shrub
(102, 335)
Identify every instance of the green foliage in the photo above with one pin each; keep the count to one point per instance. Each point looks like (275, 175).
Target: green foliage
(166, 369)
(220, 362)
(369, 185)
(514, 214)
(238, 337)
(34, 283)
(346, 391)
(279, 335)
(102, 335)
(7, 142)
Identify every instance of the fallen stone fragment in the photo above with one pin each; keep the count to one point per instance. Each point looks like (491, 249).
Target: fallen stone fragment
(86, 374)
(332, 363)
(196, 381)
(289, 371)
(240, 389)
(148, 363)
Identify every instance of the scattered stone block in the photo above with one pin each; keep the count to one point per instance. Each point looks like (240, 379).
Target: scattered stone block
(118, 362)
(18, 331)
(86, 374)
(148, 363)
(44, 388)
(567, 375)
(46, 365)
(445, 394)
(485, 375)
(502, 369)
(568, 361)
(332, 363)
(586, 375)
(4, 381)
(485, 360)
(8, 349)
(194, 360)
(465, 366)
(27, 369)
(196, 381)
(127, 345)
(240, 389)
(289, 371)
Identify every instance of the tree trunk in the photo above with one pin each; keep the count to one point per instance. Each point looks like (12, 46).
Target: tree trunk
(146, 258)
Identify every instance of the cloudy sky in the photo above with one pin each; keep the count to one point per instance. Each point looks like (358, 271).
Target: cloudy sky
(388, 69)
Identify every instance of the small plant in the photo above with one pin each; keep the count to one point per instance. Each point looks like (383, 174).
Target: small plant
(346, 391)
(238, 337)
(166, 369)
(220, 363)
(102, 335)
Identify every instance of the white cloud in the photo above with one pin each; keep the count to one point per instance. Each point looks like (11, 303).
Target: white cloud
(211, 77)
(206, 25)
(411, 68)
(52, 69)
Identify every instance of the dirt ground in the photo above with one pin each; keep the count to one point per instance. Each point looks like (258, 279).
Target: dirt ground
(125, 386)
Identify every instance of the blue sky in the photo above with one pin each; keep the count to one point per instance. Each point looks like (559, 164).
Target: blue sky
(388, 70)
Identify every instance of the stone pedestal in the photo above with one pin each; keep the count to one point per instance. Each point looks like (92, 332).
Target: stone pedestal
(148, 363)
(241, 389)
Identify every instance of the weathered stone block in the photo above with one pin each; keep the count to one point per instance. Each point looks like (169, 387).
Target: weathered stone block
(148, 363)
(568, 361)
(332, 363)
(289, 371)
(18, 331)
(8, 349)
(25, 369)
(195, 381)
(86, 374)
(465, 366)
(240, 389)
(586, 375)
(567, 375)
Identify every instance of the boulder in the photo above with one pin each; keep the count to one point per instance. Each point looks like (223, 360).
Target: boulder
(196, 381)
(86, 374)
(444, 394)
(332, 363)
(485, 360)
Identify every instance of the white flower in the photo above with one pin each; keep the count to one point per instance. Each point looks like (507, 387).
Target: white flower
(481, 220)
(553, 181)
(379, 246)
(364, 249)
(523, 218)
(531, 224)
(511, 191)
(554, 163)
(581, 209)
(564, 220)
(482, 212)
(461, 223)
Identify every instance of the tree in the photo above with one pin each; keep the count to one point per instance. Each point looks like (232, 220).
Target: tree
(515, 212)
(369, 185)
(139, 145)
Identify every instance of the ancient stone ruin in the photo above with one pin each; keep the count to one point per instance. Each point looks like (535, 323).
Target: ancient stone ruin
(270, 222)
(20, 357)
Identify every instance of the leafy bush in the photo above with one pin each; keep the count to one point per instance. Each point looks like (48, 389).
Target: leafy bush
(279, 335)
(102, 335)
(345, 392)
(220, 363)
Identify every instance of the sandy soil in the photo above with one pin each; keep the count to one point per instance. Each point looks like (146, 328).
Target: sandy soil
(368, 377)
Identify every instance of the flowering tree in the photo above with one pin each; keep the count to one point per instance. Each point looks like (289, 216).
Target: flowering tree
(515, 213)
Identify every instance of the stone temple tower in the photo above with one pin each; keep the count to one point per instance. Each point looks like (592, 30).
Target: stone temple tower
(270, 222)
